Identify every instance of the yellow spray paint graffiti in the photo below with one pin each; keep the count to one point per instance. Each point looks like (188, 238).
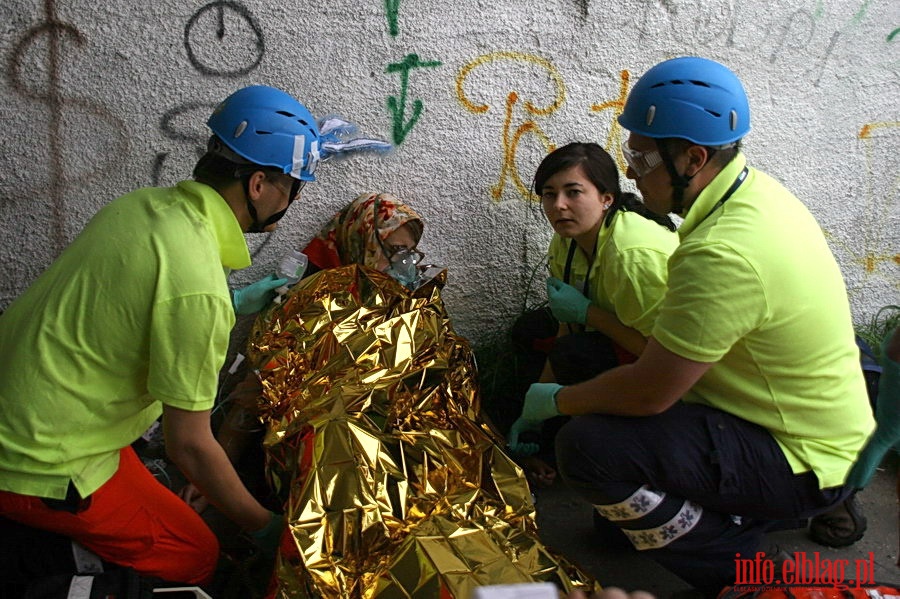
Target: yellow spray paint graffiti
(875, 235)
(510, 138)
(877, 249)
(617, 106)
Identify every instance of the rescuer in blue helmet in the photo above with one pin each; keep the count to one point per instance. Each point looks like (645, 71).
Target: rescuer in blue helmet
(748, 404)
(132, 322)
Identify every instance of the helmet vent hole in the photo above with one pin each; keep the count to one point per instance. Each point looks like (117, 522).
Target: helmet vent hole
(734, 120)
(714, 113)
(700, 83)
(284, 113)
(239, 130)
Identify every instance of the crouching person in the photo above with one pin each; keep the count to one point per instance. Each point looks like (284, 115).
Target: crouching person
(748, 404)
(131, 322)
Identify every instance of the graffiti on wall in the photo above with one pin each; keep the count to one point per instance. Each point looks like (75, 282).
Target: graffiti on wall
(52, 39)
(223, 39)
(510, 136)
(872, 244)
(391, 8)
(616, 106)
(880, 143)
(397, 106)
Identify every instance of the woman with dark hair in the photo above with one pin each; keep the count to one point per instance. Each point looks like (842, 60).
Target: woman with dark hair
(607, 264)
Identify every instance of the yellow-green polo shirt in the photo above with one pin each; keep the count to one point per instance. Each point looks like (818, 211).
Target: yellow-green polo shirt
(754, 288)
(135, 313)
(628, 275)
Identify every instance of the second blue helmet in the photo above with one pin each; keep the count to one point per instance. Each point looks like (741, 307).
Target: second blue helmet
(691, 98)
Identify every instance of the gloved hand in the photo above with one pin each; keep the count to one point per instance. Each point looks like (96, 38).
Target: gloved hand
(256, 296)
(540, 405)
(887, 416)
(269, 536)
(567, 303)
(523, 426)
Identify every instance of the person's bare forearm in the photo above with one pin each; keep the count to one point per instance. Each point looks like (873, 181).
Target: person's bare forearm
(617, 391)
(649, 386)
(608, 324)
(191, 446)
(210, 470)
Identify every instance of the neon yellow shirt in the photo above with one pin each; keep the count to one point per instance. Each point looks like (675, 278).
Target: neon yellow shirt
(134, 314)
(628, 275)
(754, 288)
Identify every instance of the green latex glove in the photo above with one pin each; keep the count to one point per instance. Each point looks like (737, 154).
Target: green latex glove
(540, 405)
(523, 426)
(566, 302)
(269, 536)
(887, 417)
(540, 402)
(256, 296)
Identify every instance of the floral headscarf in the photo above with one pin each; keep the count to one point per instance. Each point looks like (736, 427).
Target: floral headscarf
(349, 237)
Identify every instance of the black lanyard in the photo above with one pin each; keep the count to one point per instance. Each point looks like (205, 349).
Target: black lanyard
(568, 270)
(587, 277)
(737, 183)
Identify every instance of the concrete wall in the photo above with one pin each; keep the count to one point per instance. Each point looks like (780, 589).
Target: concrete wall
(100, 97)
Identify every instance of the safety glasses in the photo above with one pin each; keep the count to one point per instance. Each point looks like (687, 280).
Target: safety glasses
(641, 162)
(276, 178)
(400, 254)
(294, 192)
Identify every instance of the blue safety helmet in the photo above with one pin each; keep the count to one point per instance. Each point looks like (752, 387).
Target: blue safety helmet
(265, 126)
(691, 98)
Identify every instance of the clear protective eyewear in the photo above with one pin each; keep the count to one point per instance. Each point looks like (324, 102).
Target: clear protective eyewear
(294, 192)
(400, 254)
(641, 162)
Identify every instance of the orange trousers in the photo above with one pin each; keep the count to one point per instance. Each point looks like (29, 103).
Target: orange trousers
(132, 520)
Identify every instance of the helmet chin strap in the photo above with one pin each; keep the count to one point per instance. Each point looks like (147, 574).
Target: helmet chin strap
(679, 181)
(256, 226)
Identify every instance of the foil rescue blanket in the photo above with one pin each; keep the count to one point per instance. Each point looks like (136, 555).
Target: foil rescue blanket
(393, 484)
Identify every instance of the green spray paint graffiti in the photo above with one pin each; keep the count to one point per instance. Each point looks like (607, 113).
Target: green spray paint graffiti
(397, 107)
(391, 8)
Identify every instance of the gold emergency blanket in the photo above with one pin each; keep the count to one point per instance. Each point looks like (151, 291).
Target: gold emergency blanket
(394, 486)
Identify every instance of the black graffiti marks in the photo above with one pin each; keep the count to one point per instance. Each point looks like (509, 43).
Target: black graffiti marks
(584, 7)
(109, 142)
(796, 34)
(223, 39)
(182, 124)
(689, 23)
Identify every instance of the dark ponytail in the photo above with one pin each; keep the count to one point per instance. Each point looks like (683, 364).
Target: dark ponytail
(631, 203)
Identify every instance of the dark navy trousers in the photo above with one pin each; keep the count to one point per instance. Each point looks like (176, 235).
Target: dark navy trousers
(694, 485)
